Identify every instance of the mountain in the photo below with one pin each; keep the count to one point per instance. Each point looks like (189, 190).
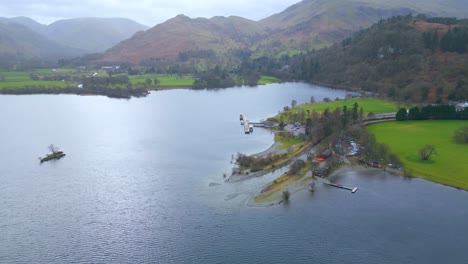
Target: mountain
(92, 34)
(319, 23)
(183, 38)
(27, 22)
(405, 58)
(307, 25)
(18, 42)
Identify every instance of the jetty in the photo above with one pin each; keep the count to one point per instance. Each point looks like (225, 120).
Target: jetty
(353, 190)
(245, 122)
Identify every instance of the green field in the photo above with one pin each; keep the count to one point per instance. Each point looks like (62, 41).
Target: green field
(166, 80)
(267, 79)
(449, 166)
(22, 79)
(370, 105)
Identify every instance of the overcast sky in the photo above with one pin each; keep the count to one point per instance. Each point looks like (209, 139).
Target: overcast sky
(147, 12)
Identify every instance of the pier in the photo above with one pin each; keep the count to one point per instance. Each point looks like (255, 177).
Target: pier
(248, 126)
(353, 190)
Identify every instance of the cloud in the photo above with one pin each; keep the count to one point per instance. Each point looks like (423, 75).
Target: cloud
(148, 12)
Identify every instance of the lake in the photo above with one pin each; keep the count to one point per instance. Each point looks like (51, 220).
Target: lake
(135, 188)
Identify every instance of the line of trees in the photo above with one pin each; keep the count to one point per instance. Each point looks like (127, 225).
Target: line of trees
(428, 112)
(455, 40)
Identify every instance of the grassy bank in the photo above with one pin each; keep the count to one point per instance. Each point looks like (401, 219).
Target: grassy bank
(448, 167)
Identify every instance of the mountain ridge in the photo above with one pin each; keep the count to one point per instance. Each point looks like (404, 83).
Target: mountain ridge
(307, 25)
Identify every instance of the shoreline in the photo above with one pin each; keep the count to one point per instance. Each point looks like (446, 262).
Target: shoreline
(303, 183)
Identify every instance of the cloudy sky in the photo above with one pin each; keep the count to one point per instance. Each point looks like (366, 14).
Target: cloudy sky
(148, 12)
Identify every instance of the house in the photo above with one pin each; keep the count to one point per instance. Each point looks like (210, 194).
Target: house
(461, 106)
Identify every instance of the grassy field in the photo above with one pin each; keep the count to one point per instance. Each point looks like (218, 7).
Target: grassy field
(168, 80)
(287, 140)
(449, 166)
(370, 105)
(22, 79)
(267, 79)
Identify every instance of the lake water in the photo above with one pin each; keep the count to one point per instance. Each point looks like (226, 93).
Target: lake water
(134, 188)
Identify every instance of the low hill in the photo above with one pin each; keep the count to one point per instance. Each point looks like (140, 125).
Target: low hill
(409, 59)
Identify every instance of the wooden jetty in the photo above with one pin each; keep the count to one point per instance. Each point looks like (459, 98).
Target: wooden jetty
(353, 190)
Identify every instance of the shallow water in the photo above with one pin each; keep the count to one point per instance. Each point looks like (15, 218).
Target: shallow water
(134, 187)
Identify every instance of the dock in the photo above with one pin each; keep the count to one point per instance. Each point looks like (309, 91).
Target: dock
(245, 122)
(248, 126)
(353, 190)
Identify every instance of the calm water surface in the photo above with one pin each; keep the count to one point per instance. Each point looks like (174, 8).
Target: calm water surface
(134, 188)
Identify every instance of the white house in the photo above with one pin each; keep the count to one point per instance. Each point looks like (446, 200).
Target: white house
(461, 106)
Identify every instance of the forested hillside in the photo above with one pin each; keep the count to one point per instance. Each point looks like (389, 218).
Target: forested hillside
(406, 58)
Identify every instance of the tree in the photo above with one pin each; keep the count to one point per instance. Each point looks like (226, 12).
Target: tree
(345, 116)
(461, 135)
(286, 195)
(401, 115)
(355, 114)
(296, 167)
(361, 113)
(149, 81)
(53, 148)
(427, 151)
(293, 103)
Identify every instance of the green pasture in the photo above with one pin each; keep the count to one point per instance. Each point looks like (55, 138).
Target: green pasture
(449, 166)
(168, 80)
(30, 83)
(267, 79)
(370, 105)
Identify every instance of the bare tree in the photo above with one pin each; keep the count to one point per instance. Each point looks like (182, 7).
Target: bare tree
(53, 148)
(427, 151)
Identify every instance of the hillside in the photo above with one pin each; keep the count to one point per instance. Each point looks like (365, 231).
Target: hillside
(90, 35)
(405, 58)
(19, 43)
(319, 23)
(182, 38)
(307, 25)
